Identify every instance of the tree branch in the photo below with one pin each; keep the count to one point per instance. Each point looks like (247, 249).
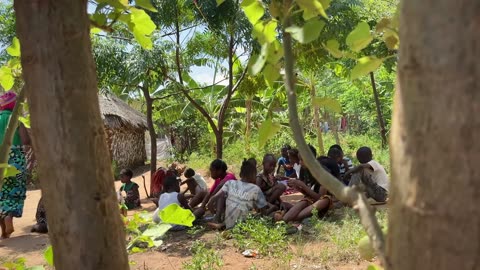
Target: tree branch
(105, 28)
(10, 133)
(345, 194)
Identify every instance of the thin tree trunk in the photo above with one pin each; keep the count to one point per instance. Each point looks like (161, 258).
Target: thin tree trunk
(316, 122)
(381, 122)
(434, 221)
(10, 133)
(334, 128)
(248, 107)
(85, 229)
(153, 135)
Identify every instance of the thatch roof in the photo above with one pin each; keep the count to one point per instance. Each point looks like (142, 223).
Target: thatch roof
(116, 113)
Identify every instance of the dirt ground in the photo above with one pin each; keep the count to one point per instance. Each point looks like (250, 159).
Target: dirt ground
(176, 251)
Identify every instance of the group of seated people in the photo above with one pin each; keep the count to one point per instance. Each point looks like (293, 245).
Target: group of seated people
(230, 200)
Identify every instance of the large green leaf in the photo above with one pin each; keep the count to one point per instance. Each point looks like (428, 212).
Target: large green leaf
(364, 66)
(309, 32)
(329, 104)
(142, 26)
(175, 214)
(360, 37)
(265, 32)
(261, 60)
(253, 10)
(6, 78)
(271, 74)
(14, 48)
(312, 8)
(157, 230)
(146, 4)
(275, 52)
(333, 47)
(267, 130)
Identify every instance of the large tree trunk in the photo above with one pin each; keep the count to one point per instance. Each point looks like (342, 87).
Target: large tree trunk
(381, 121)
(434, 221)
(153, 136)
(85, 227)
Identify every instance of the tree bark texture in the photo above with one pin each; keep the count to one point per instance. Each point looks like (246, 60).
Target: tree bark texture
(153, 136)
(381, 121)
(85, 227)
(434, 221)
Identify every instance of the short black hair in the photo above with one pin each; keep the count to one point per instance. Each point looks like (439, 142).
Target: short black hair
(127, 172)
(330, 165)
(286, 147)
(170, 182)
(219, 165)
(334, 153)
(189, 173)
(248, 168)
(364, 154)
(336, 146)
(267, 157)
(253, 160)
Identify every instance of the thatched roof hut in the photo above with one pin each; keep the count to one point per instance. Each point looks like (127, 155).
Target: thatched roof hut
(125, 129)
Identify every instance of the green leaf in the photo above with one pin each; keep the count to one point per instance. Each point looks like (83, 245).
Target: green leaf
(37, 267)
(137, 250)
(48, 255)
(253, 10)
(309, 32)
(360, 37)
(175, 214)
(374, 267)
(10, 170)
(157, 230)
(142, 26)
(99, 18)
(261, 60)
(275, 52)
(143, 40)
(364, 66)
(312, 8)
(267, 130)
(333, 47)
(6, 78)
(219, 2)
(329, 104)
(270, 32)
(14, 48)
(271, 74)
(146, 4)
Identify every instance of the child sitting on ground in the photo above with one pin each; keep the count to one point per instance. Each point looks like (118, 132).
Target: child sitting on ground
(132, 199)
(197, 187)
(369, 176)
(284, 162)
(344, 164)
(171, 195)
(267, 182)
(238, 198)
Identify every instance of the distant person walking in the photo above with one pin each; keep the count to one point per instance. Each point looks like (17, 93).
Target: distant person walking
(14, 190)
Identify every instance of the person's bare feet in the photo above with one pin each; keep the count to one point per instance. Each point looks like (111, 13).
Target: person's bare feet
(216, 226)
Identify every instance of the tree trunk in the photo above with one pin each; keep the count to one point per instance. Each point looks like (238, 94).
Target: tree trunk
(434, 220)
(334, 128)
(219, 143)
(248, 107)
(381, 122)
(153, 136)
(316, 122)
(85, 227)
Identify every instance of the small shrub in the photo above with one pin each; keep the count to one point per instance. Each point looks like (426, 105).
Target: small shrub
(203, 258)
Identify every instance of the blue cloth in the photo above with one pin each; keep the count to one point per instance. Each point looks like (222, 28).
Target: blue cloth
(284, 161)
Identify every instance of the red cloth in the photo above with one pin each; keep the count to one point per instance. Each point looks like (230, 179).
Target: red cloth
(228, 177)
(156, 184)
(8, 100)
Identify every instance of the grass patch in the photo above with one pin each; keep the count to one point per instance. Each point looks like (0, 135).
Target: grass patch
(203, 258)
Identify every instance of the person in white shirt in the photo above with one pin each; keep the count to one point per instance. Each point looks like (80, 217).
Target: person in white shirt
(197, 187)
(369, 176)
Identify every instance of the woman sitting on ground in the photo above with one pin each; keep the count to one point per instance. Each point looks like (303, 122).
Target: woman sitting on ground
(218, 171)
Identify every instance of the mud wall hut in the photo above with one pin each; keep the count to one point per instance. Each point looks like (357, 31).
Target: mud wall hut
(125, 129)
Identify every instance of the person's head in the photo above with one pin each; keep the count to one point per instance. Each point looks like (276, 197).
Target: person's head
(313, 150)
(330, 165)
(285, 149)
(269, 163)
(364, 154)
(335, 154)
(337, 147)
(253, 160)
(171, 184)
(8, 101)
(189, 173)
(248, 171)
(218, 169)
(126, 175)
(293, 156)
